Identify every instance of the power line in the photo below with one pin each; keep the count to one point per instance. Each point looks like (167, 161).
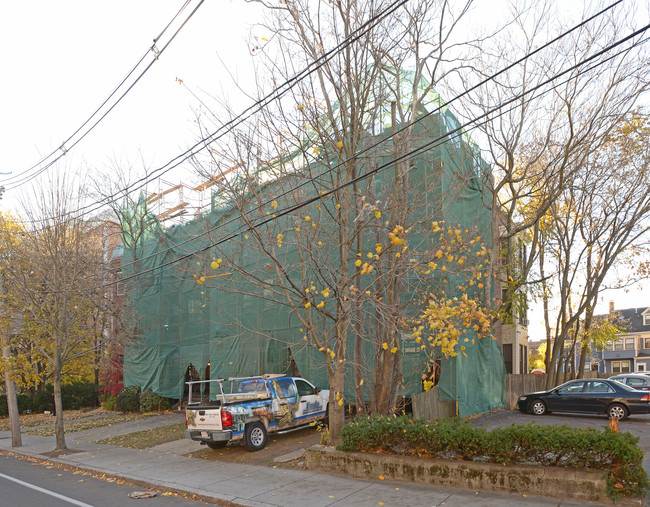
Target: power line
(278, 92)
(275, 94)
(420, 118)
(65, 147)
(420, 149)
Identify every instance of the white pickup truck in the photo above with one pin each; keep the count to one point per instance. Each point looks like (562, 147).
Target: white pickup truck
(249, 408)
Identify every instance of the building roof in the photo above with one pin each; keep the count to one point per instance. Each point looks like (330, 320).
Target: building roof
(631, 319)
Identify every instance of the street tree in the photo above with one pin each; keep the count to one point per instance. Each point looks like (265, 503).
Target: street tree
(603, 214)
(546, 109)
(340, 238)
(58, 269)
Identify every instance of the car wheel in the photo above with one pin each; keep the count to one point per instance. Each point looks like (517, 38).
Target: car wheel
(255, 436)
(617, 411)
(538, 407)
(217, 445)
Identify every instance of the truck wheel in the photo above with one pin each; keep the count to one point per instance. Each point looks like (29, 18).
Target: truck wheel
(220, 444)
(255, 436)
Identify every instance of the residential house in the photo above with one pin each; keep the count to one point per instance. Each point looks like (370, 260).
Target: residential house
(631, 351)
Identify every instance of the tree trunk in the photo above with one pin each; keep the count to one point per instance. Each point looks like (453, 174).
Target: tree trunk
(584, 345)
(58, 404)
(12, 403)
(337, 411)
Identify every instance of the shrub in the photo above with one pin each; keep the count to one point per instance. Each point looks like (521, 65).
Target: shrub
(24, 403)
(76, 395)
(43, 399)
(150, 401)
(559, 446)
(109, 403)
(128, 400)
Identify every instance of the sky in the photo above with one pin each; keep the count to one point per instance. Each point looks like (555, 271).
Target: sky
(61, 60)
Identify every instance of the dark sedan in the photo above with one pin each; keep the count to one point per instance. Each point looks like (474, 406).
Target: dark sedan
(594, 396)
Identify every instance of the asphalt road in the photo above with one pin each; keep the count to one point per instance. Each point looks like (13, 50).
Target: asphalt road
(26, 484)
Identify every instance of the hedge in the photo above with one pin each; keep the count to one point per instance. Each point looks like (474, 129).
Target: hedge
(74, 396)
(453, 438)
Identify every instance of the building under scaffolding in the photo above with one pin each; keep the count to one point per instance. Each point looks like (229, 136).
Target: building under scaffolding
(205, 301)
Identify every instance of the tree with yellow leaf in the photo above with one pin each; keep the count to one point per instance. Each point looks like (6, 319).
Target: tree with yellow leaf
(338, 247)
(56, 271)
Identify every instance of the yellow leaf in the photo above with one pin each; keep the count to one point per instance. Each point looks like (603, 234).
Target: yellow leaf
(384, 346)
(321, 304)
(381, 477)
(361, 382)
(393, 350)
(274, 205)
(214, 265)
(340, 403)
(308, 304)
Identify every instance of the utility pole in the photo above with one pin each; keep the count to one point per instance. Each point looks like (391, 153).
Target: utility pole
(12, 403)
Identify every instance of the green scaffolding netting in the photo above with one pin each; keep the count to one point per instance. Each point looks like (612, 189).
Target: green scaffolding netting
(206, 296)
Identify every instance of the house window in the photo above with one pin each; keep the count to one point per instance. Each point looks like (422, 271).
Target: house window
(620, 366)
(646, 343)
(646, 320)
(629, 343)
(594, 367)
(618, 345)
(507, 356)
(523, 358)
(640, 367)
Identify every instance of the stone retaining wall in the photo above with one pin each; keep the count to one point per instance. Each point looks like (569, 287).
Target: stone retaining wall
(563, 483)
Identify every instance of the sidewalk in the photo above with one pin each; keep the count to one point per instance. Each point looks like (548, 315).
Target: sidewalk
(165, 467)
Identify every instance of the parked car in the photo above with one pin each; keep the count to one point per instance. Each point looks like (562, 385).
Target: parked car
(594, 396)
(633, 380)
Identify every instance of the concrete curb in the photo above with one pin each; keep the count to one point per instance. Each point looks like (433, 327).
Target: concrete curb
(564, 483)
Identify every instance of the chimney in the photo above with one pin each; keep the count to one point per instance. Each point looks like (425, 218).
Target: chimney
(611, 308)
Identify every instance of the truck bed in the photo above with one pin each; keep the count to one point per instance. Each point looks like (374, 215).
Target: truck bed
(231, 399)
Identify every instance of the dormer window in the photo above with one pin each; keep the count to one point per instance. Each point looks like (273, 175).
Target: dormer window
(646, 319)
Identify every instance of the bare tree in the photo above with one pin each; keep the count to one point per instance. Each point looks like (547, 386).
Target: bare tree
(603, 214)
(322, 143)
(546, 110)
(58, 271)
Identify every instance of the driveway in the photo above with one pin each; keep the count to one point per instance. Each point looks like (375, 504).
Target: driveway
(638, 425)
